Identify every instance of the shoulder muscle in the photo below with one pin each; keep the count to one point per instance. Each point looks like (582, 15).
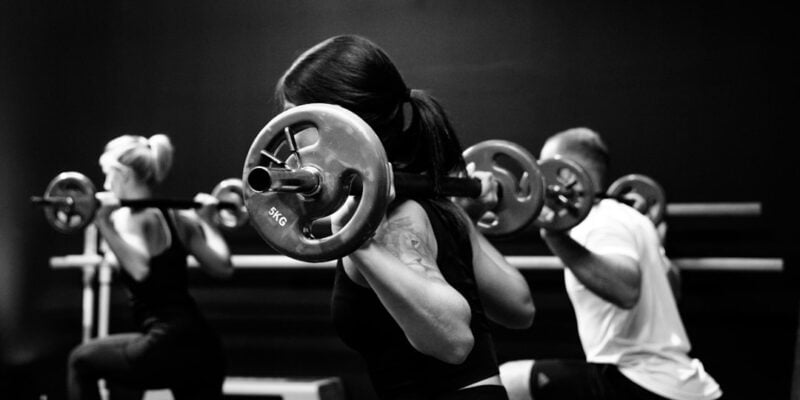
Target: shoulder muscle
(408, 235)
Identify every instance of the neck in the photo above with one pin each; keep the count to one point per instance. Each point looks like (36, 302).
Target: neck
(138, 192)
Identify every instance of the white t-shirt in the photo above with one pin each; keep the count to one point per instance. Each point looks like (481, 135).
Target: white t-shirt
(647, 342)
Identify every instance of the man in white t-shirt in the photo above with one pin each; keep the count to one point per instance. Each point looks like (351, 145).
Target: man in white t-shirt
(628, 322)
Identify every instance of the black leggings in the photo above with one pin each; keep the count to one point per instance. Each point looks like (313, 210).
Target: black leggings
(575, 379)
(190, 365)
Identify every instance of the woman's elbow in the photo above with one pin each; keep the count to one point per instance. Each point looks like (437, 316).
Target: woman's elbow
(521, 315)
(528, 312)
(456, 350)
(220, 270)
(525, 318)
(225, 271)
(138, 268)
(225, 274)
(452, 348)
(139, 273)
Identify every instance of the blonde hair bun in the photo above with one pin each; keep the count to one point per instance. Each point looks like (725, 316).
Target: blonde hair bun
(162, 150)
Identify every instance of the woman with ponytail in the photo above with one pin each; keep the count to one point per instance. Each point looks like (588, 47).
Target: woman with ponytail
(417, 299)
(175, 347)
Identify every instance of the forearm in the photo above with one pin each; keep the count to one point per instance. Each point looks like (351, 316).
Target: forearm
(213, 253)
(433, 315)
(513, 306)
(607, 276)
(507, 296)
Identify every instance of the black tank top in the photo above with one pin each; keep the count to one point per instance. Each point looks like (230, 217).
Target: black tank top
(164, 294)
(396, 369)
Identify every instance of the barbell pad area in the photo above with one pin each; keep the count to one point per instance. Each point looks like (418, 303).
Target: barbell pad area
(412, 185)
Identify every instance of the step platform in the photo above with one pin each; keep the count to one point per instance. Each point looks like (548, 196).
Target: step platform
(271, 388)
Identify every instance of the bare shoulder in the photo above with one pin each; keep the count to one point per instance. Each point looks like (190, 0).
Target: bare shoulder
(146, 220)
(146, 227)
(408, 235)
(410, 217)
(411, 212)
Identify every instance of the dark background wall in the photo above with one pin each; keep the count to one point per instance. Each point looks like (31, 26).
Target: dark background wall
(697, 96)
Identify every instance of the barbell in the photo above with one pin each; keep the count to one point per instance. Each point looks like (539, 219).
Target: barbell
(70, 204)
(306, 161)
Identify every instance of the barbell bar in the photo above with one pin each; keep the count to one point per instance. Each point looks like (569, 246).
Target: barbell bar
(70, 204)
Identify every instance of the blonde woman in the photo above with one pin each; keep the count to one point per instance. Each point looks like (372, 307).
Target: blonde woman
(175, 347)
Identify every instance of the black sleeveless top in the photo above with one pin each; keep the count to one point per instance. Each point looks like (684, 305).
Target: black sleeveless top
(396, 369)
(163, 296)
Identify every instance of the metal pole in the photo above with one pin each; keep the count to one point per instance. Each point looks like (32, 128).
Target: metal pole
(89, 273)
(103, 303)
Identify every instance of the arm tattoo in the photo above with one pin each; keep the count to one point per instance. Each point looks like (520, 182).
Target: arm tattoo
(400, 238)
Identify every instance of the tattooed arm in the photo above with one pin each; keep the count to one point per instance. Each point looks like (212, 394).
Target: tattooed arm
(399, 264)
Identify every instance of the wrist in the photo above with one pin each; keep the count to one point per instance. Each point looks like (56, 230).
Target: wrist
(207, 219)
(474, 209)
(103, 222)
(554, 236)
(206, 215)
